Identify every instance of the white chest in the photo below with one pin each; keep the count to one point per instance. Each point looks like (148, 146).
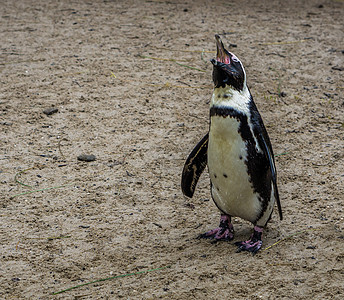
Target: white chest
(231, 187)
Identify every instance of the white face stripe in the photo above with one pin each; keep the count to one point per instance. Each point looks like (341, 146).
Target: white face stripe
(234, 57)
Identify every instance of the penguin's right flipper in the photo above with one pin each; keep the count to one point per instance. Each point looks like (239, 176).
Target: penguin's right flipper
(194, 166)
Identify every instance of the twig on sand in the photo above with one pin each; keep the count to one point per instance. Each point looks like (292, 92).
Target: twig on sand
(169, 85)
(284, 42)
(166, 84)
(18, 174)
(279, 154)
(192, 68)
(60, 150)
(289, 236)
(202, 56)
(161, 58)
(40, 190)
(109, 278)
(180, 50)
(51, 237)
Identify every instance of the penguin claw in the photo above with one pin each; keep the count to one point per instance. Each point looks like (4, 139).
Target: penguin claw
(254, 243)
(218, 234)
(251, 246)
(225, 231)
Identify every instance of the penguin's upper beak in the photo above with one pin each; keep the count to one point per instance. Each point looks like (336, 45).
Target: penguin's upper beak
(222, 54)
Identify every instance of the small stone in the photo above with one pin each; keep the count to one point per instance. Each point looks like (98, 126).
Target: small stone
(337, 68)
(84, 226)
(6, 123)
(158, 225)
(51, 110)
(86, 157)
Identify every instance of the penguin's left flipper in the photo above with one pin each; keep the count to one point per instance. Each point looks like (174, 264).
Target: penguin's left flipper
(194, 166)
(273, 173)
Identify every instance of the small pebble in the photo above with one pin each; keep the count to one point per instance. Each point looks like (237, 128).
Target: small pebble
(86, 157)
(310, 247)
(51, 110)
(6, 123)
(337, 68)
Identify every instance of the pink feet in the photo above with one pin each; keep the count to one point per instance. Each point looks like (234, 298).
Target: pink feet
(225, 231)
(254, 243)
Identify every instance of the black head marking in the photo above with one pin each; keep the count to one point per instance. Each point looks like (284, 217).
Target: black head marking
(227, 69)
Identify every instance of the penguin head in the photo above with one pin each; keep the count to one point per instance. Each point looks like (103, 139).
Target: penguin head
(227, 68)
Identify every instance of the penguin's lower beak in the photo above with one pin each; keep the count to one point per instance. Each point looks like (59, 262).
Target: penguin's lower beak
(222, 54)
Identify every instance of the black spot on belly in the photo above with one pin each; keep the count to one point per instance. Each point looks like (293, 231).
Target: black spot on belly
(240, 157)
(225, 175)
(215, 175)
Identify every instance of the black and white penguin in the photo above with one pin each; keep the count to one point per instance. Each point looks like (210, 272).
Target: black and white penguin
(238, 153)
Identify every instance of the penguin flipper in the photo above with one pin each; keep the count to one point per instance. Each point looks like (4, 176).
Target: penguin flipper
(194, 166)
(274, 176)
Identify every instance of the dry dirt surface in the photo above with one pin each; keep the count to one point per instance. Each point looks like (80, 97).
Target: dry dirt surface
(130, 82)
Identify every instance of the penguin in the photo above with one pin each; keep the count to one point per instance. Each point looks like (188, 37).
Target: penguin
(238, 153)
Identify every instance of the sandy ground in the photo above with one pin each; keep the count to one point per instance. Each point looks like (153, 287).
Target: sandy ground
(132, 82)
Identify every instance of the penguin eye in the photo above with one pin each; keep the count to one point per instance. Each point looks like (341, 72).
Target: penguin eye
(235, 59)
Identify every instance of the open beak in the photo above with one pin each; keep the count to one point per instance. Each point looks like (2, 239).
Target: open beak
(222, 54)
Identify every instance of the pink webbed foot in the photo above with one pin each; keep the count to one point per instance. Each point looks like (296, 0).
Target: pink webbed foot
(254, 243)
(225, 231)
